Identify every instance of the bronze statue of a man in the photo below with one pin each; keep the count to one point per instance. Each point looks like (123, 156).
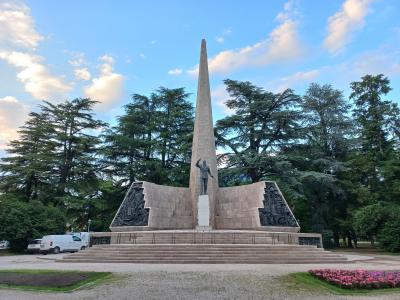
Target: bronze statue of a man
(204, 171)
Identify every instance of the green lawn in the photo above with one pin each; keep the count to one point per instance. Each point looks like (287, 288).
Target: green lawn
(4, 252)
(307, 282)
(32, 276)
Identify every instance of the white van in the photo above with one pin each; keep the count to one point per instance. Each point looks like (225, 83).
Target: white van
(61, 243)
(85, 237)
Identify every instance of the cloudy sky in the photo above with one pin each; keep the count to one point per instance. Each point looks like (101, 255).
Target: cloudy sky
(107, 50)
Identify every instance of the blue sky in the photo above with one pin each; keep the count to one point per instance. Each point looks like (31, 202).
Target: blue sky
(107, 50)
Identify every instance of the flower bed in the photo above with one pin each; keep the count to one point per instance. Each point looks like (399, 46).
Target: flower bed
(359, 279)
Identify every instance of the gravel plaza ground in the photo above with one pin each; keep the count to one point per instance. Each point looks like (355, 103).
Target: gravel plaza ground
(162, 281)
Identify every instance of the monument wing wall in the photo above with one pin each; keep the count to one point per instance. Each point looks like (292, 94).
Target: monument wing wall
(258, 206)
(168, 208)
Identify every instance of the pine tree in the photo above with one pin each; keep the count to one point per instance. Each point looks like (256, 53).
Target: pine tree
(28, 170)
(263, 124)
(152, 139)
(55, 160)
(327, 134)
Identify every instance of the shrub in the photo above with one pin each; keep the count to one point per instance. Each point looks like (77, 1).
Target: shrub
(389, 236)
(22, 221)
(369, 220)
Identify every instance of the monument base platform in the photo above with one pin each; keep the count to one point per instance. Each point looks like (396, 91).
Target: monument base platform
(215, 246)
(204, 235)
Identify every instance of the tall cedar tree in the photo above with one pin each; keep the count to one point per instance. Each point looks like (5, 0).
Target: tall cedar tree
(55, 160)
(377, 121)
(375, 163)
(321, 158)
(152, 139)
(263, 123)
(28, 171)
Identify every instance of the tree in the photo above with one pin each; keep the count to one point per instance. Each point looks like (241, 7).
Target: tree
(175, 133)
(27, 172)
(55, 160)
(321, 157)
(152, 139)
(21, 221)
(388, 236)
(76, 146)
(262, 125)
(369, 220)
(374, 118)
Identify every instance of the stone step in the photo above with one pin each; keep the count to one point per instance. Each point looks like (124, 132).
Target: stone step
(205, 253)
(164, 246)
(204, 257)
(181, 252)
(211, 261)
(200, 247)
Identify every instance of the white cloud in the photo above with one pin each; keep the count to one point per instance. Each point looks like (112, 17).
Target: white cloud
(17, 26)
(82, 74)
(382, 60)
(219, 95)
(343, 23)
(18, 42)
(220, 39)
(13, 114)
(78, 59)
(294, 80)
(34, 75)
(107, 87)
(176, 71)
(282, 44)
(142, 56)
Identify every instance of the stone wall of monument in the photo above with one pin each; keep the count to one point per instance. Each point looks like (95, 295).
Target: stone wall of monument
(168, 208)
(237, 206)
(259, 206)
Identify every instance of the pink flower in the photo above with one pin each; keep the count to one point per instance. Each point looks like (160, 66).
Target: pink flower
(358, 278)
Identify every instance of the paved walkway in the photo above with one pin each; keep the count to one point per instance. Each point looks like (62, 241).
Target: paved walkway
(162, 281)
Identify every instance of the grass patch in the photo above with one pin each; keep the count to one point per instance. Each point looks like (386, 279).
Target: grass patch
(6, 252)
(51, 280)
(307, 282)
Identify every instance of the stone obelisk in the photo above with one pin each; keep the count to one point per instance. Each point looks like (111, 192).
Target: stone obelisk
(203, 146)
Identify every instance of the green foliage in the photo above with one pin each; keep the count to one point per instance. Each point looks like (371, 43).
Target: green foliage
(376, 120)
(55, 159)
(369, 220)
(262, 125)
(21, 221)
(152, 140)
(380, 222)
(27, 171)
(389, 236)
(338, 168)
(320, 159)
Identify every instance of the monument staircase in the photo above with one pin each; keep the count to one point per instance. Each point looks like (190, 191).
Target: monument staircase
(212, 247)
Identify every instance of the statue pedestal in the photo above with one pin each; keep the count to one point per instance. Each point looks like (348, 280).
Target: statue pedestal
(203, 213)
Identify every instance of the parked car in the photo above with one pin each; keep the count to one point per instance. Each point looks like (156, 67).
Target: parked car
(61, 243)
(34, 246)
(4, 244)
